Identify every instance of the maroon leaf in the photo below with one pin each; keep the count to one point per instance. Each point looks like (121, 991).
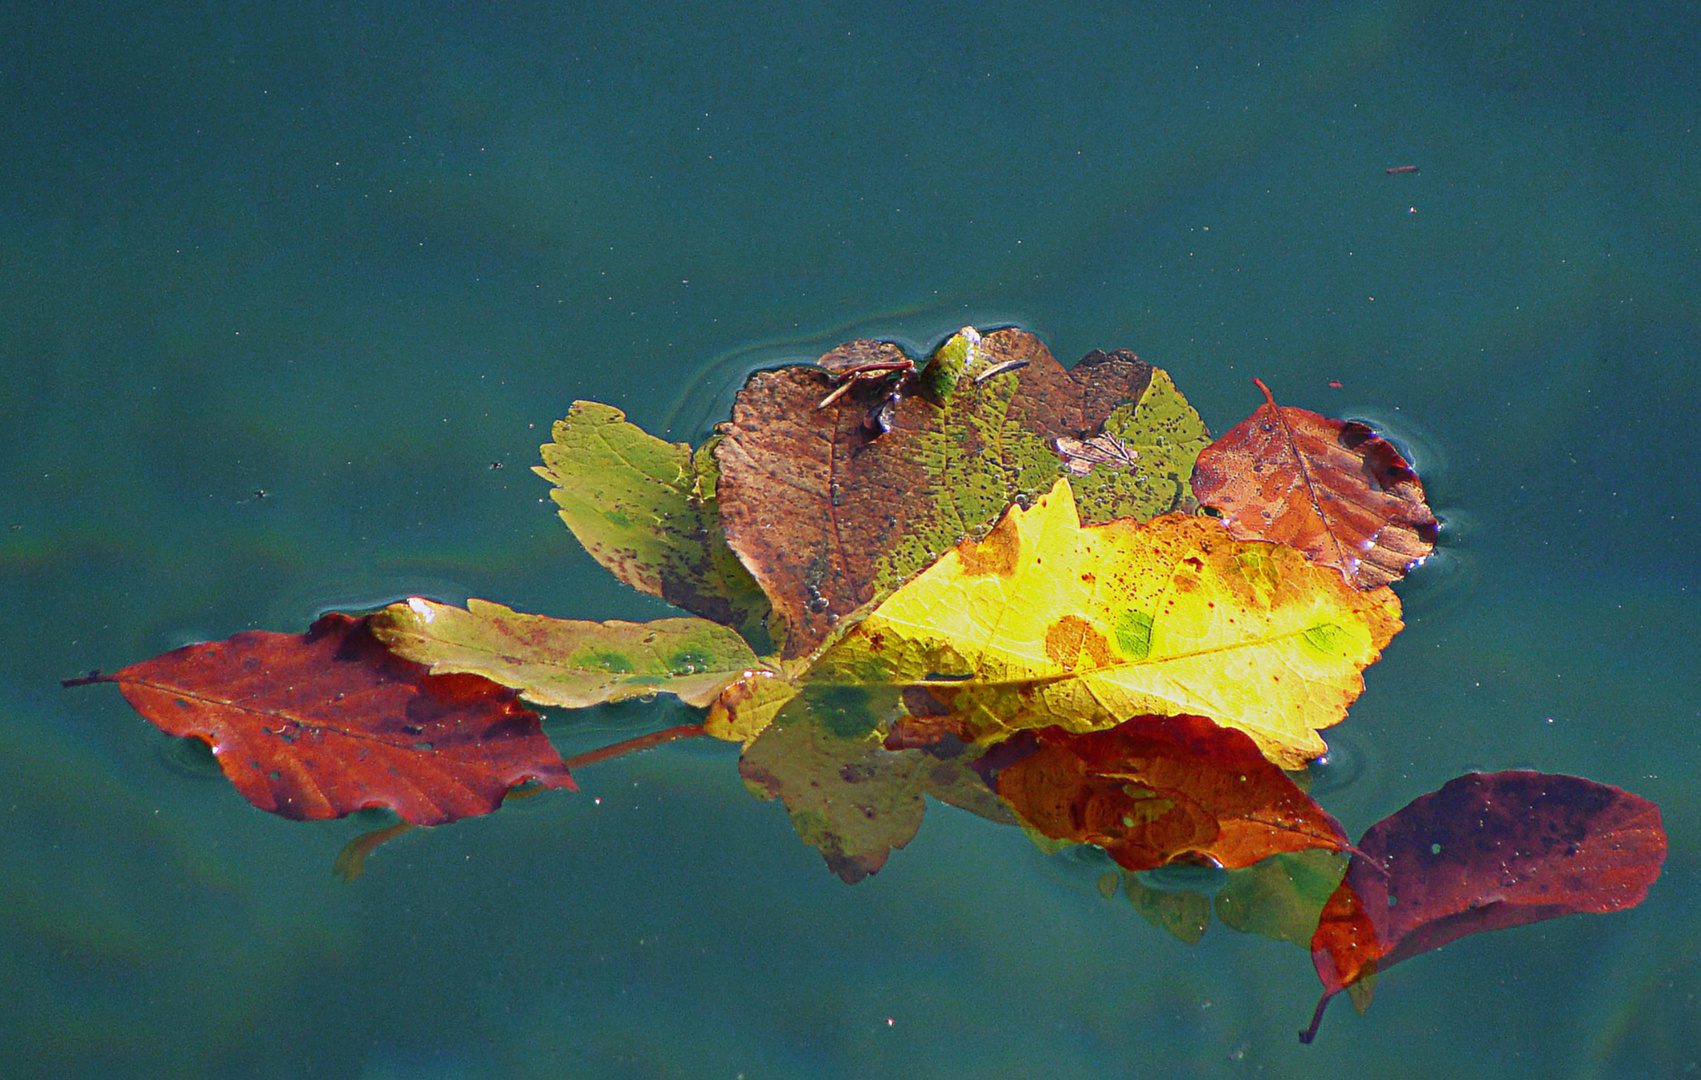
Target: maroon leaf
(325, 723)
(1333, 489)
(1486, 852)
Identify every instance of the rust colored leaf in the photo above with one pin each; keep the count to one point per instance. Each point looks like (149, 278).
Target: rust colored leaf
(1486, 852)
(1157, 787)
(1333, 489)
(321, 724)
(830, 510)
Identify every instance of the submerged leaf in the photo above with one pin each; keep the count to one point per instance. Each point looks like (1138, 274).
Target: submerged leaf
(1047, 623)
(1485, 852)
(1155, 788)
(830, 512)
(748, 705)
(645, 509)
(848, 795)
(1182, 913)
(1282, 896)
(1333, 489)
(567, 663)
(322, 724)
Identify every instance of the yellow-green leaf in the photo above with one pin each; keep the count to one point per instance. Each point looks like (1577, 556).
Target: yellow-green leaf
(645, 508)
(1045, 622)
(567, 663)
(848, 795)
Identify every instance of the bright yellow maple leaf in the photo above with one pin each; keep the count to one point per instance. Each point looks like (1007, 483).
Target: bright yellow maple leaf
(1045, 622)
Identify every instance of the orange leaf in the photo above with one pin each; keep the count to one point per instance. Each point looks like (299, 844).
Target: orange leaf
(1333, 489)
(1156, 787)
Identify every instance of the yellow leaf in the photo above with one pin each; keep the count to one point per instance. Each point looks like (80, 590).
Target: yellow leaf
(1045, 622)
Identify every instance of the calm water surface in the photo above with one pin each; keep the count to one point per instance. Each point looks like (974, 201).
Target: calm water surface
(289, 299)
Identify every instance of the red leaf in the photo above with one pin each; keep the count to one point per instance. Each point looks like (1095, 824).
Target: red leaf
(1486, 852)
(1333, 489)
(328, 722)
(1157, 787)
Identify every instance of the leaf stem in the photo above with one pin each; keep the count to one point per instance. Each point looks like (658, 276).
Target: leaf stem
(642, 742)
(351, 861)
(1316, 1018)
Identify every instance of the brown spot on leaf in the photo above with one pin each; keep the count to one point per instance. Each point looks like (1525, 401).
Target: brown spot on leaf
(996, 555)
(1073, 637)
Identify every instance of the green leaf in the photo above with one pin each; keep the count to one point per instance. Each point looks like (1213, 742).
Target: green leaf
(567, 663)
(1282, 896)
(848, 795)
(1165, 435)
(645, 509)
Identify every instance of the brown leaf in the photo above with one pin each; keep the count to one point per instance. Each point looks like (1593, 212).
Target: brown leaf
(1157, 787)
(1485, 852)
(321, 724)
(1333, 489)
(830, 512)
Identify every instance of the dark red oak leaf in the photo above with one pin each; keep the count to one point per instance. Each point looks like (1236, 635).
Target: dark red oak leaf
(1485, 852)
(1333, 489)
(321, 724)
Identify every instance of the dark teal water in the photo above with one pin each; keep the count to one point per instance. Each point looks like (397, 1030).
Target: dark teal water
(358, 258)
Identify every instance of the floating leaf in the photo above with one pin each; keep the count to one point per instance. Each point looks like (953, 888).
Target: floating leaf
(830, 512)
(1047, 623)
(1154, 788)
(1485, 852)
(321, 724)
(849, 796)
(567, 663)
(1333, 489)
(645, 509)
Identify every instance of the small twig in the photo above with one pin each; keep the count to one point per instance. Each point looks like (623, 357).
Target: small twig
(1000, 368)
(1316, 1019)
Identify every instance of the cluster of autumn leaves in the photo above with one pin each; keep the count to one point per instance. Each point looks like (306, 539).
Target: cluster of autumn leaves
(1041, 594)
